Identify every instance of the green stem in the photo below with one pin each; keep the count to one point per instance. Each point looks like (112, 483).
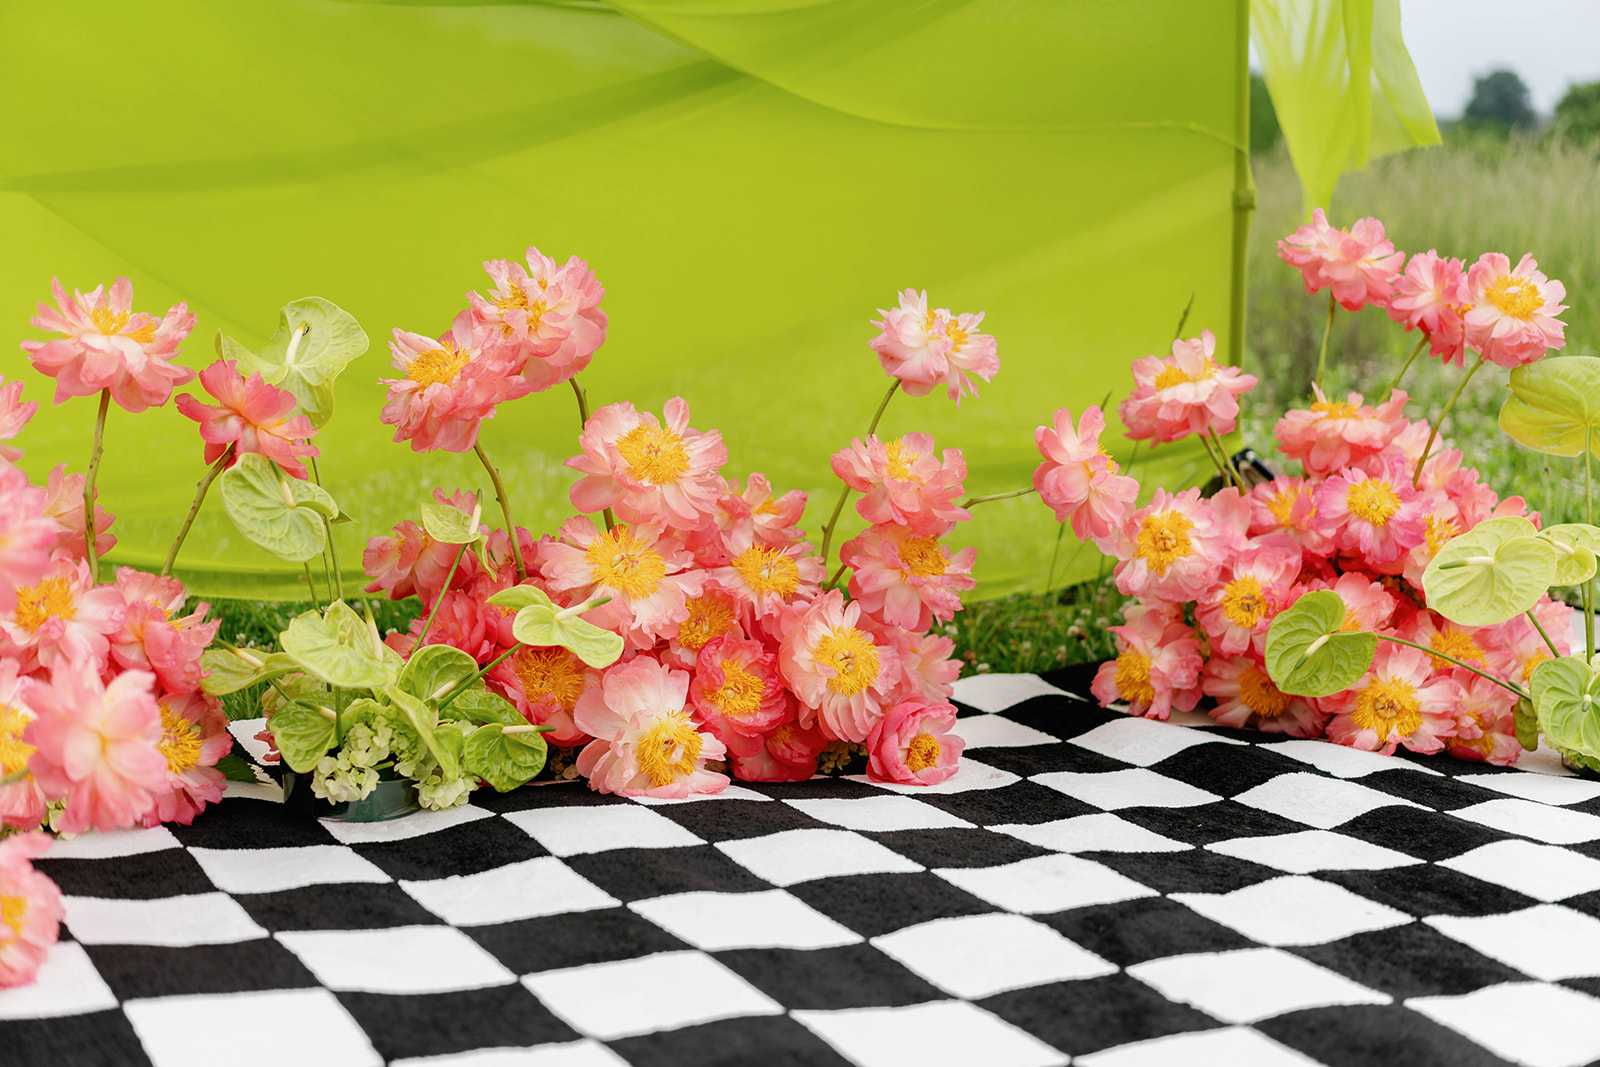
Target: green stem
(1415, 352)
(583, 420)
(316, 601)
(448, 578)
(505, 509)
(1446, 656)
(844, 493)
(1055, 555)
(1222, 471)
(1551, 645)
(833, 581)
(974, 501)
(1588, 587)
(98, 450)
(200, 491)
(1327, 329)
(333, 559)
(1433, 432)
(1230, 472)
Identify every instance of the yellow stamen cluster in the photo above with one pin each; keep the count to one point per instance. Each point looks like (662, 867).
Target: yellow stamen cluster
(626, 563)
(1243, 602)
(1389, 707)
(1458, 643)
(1439, 530)
(1516, 297)
(853, 658)
(14, 751)
(1335, 409)
(654, 454)
(438, 366)
(709, 618)
(550, 674)
(1163, 539)
(898, 458)
(923, 557)
(1263, 698)
(1133, 678)
(741, 692)
(50, 599)
(1172, 374)
(669, 749)
(767, 571)
(1373, 501)
(922, 753)
(180, 741)
(13, 911)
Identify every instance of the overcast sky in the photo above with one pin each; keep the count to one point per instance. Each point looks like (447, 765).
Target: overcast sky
(1550, 43)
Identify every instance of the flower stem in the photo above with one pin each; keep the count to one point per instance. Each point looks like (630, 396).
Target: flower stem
(583, 420)
(316, 601)
(95, 453)
(505, 509)
(1551, 645)
(844, 493)
(1211, 454)
(1433, 432)
(1588, 517)
(974, 501)
(834, 580)
(1327, 329)
(1422, 343)
(200, 490)
(1229, 471)
(1459, 663)
(448, 578)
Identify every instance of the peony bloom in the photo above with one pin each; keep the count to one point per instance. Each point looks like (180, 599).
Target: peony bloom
(764, 577)
(97, 746)
(1246, 697)
(647, 574)
(649, 472)
(1368, 606)
(772, 520)
(1512, 315)
(1078, 479)
(410, 563)
(711, 613)
(450, 386)
(109, 346)
(251, 416)
(737, 693)
(1157, 666)
(22, 803)
(1332, 434)
(1375, 517)
(788, 753)
(913, 744)
(1429, 296)
(840, 673)
(545, 684)
(63, 618)
(154, 637)
(1400, 701)
(1486, 720)
(1187, 393)
(1288, 506)
(194, 736)
(1253, 587)
(927, 670)
(645, 743)
(14, 415)
(64, 503)
(902, 481)
(924, 348)
(27, 534)
(30, 910)
(906, 579)
(1359, 265)
(548, 317)
(1175, 545)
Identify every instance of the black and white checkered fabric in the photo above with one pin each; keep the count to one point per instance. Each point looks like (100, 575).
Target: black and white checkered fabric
(1094, 887)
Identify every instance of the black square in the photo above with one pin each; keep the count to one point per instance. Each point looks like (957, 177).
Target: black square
(137, 971)
(1379, 1035)
(1426, 889)
(1096, 1013)
(468, 848)
(1226, 770)
(542, 795)
(436, 1023)
(1439, 792)
(94, 1039)
(769, 1040)
(873, 904)
(852, 976)
(1410, 961)
(1057, 716)
(244, 822)
(637, 873)
(1019, 802)
(820, 787)
(955, 847)
(1205, 824)
(553, 942)
(731, 820)
(1199, 871)
(1427, 835)
(1150, 928)
(367, 906)
(171, 872)
(1029, 760)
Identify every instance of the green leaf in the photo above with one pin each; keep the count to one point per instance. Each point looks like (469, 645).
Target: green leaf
(316, 340)
(480, 706)
(362, 710)
(505, 760)
(235, 768)
(303, 734)
(448, 523)
(540, 623)
(424, 719)
(341, 648)
(284, 515)
(1527, 725)
(435, 670)
(1564, 694)
(230, 670)
(1576, 544)
(1493, 572)
(1308, 652)
(1554, 405)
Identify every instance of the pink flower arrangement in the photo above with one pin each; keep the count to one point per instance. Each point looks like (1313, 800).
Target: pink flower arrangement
(1512, 317)
(33, 911)
(1187, 393)
(923, 349)
(647, 470)
(250, 416)
(1078, 479)
(902, 481)
(548, 317)
(1357, 266)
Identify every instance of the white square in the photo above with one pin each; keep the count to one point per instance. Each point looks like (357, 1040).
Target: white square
(1543, 872)
(256, 1029)
(660, 992)
(1294, 910)
(202, 919)
(582, 830)
(997, 731)
(522, 890)
(879, 813)
(770, 919)
(997, 692)
(1045, 884)
(967, 1036)
(1239, 1046)
(1547, 941)
(1142, 742)
(571, 1054)
(1342, 761)
(1540, 1025)
(109, 844)
(1100, 832)
(1132, 788)
(975, 956)
(400, 959)
(1545, 788)
(1314, 850)
(268, 870)
(732, 792)
(1527, 818)
(404, 829)
(795, 856)
(67, 984)
(1249, 984)
(970, 776)
(1318, 801)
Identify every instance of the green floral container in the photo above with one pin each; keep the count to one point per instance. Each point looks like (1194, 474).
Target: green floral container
(393, 798)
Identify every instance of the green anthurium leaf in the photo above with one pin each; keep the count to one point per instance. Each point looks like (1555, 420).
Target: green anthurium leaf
(541, 623)
(422, 718)
(448, 523)
(341, 648)
(1576, 544)
(435, 670)
(303, 733)
(1527, 724)
(286, 516)
(1493, 572)
(505, 756)
(1565, 693)
(1308, 652)
(228, 670)
(483, 707)
(517, 597)
(1554, 405)
(316, 340)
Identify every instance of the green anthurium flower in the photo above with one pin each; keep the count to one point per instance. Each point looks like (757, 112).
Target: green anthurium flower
(1554, 406)
(228, 670)
(435, 671)
(316, 340)
(1565, 694)
(1493, 572)
(423, 719)
(505, 756)
(341, 648)
(286, 516)
(452, 526)
(1576, 544)
(540, 622)
(304, 733)
(480, 706)
(1526, 724)
(1309, 653)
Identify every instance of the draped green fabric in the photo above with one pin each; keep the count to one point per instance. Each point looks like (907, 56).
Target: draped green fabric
(750, 179)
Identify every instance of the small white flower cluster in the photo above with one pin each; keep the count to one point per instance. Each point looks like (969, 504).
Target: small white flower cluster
(351, 775)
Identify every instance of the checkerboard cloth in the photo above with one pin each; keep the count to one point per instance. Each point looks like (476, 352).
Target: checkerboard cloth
(1112, 890)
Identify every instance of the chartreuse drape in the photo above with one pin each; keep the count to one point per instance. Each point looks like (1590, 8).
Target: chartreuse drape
(749, 178)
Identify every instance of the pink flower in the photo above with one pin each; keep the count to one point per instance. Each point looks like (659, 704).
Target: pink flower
(1400, 701)
(1246, 697)
(788, 754)
(409, 563)
(711, 613)
(1358, 265)
(902, 481)
(549, 317)
(1185, 394)
(97, 746)
(1157, 667)
(914, 744)
(1174, 546)
(906, 579)
(1376, 517)
(14, 415)
(546, 684)
(252, 417)
(107, 345)
(737, 693)
(1512, 313)
(194, 736)
(927, 670)
(649, 472)
(772, 520)
(1429, 296)
(1078, 480)
(32, 909)
(22, 803)
(64, 503)
(63, 619)
(1253, 587)
(154, 636)
(450, 386)
(765, 577)
(27, 534)
(1288, 506)
(841, 675)
(647, 574)
(1367, 605)
(924, 348)
(1487, 729)
(1331, 434)
(646, 744)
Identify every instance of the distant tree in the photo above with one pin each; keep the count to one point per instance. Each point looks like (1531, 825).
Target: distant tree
(1264, 130)
(1500, 98)
(1578, 113)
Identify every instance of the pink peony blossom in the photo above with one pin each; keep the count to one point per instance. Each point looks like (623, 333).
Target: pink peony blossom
(1429, 296)
(1368, 606)
(1173, 546)
(915, 744)
(64, 503)
(902, 481)
(546, 684)
(925, 348)
(194, 736)
(1157, 667)
(1288, 506)
(1359, 265)
(1078, 479)
(1187, 393)
(646, 572)
(927, 670)
(1332, 434)
(22, 802)
(251, 416)
(1253, 587)
(31, 908)
(762, 577)
(106, 345)
(410, 563)
(548, 317)
(773, 521)
(906, 579)
(647, 470)
(27, 534)
(1486, 724)
(737, 693)
(645, 743)
(62, 619)
(1246, 697)
(1376, 517)
(710, 614)
(1399, 702)
(840, 673)
(450, 386)
(14, 415)
(1513, 312)
(154, 636)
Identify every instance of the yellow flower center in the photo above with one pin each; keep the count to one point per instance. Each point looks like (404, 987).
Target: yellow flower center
(1458, 643)
(1373, 501)
(669, 749)
(180, 741)
(654, 455)
(853, 658)
(38, 604)
(898, 458)
(922, 557)
(1389, 707)
(13, 910)
(1243, 602)
(626, 563)
(513, 299)
(1483, 743)
(709, 618)
(957, 335)
(741, 691)
(922, 753)
(1335, 409)
(1163, 539)
(1133, 678)
(438, 366)
(550, 673)
(1281, 505)
(1531, 663)
(108, 322)
(1516, 297)
(1172, 374)
(766, 570)
(14, 752)
(1440, 530)
(1263, 698)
